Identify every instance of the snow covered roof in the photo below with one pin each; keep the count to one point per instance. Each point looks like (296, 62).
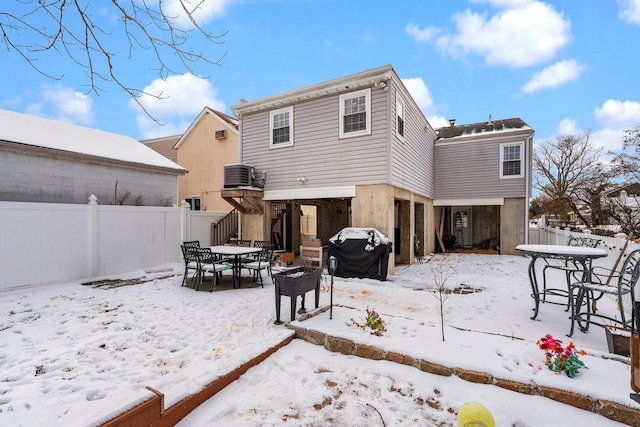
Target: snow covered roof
(483, 128)
(64, 137)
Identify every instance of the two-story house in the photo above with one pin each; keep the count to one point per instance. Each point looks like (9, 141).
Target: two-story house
(360, 149)
(357, 147)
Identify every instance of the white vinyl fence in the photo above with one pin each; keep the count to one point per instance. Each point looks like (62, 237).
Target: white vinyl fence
(613, 245)
(45, 243)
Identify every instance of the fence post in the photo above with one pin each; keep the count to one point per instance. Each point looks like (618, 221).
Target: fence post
(186, 208)
(93, 236)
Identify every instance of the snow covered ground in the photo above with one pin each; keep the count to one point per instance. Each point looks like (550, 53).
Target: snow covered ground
(74, 354)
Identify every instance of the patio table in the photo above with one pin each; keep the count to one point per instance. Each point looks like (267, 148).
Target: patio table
(579, 254)
(237, 252)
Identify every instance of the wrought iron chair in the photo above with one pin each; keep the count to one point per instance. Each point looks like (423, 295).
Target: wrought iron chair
(620, 284)
(207, 265)
(263, 261)
(245, 243)
(190, 259)
(569, 268)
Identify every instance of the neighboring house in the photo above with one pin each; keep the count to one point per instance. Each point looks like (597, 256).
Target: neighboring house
(483, 183)
(164, 145)
(209, 143)
(623, 205)
(360, 150)
(43, 160)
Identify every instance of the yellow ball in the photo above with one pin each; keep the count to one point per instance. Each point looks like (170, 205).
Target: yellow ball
(473, 414)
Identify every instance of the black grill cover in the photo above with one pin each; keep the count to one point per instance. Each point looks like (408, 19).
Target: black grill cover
(360, 252)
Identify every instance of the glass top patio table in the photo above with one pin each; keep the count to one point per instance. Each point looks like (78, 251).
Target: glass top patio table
(579, 254)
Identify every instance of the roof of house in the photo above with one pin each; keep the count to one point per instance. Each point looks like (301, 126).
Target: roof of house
(632, 189)
(491, 126)
(377, 76)
(231, 122)
(163, 145)
(63, 137)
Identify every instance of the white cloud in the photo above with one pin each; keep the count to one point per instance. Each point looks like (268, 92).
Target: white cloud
(438, 121)
(421, 35)
(568, 127)
(554, 76)
(618, 114)
(615, 117)
(420, 93)
(64, 104)
(629, 11)
(181, 98)
(524, 34)
(203, 11)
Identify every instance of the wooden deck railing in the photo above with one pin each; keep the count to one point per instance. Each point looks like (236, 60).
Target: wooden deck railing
(225, 228)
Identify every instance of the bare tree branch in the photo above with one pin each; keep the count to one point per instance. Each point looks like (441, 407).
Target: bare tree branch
(143, 28)
(570, 172)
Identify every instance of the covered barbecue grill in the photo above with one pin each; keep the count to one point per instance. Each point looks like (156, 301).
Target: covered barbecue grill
(361, 252)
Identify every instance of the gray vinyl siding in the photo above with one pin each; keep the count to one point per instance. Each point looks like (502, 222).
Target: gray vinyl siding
(471, 170)
(317, 152)
(411, 159)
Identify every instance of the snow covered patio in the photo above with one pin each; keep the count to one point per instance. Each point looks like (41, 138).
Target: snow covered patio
(80, 355)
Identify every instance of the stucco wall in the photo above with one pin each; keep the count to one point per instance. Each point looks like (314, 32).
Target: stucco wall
(204, 157)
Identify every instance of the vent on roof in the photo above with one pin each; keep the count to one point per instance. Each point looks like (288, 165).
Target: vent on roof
(221, 134)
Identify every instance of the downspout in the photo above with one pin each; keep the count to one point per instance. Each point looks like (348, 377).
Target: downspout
(526, 190)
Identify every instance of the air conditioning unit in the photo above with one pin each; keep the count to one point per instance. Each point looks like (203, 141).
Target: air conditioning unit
(221, 134)
(239, 175)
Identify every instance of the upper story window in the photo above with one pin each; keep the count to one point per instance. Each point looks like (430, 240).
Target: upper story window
(511, 160)
(355, 113)
(281, 123)
(399, 117)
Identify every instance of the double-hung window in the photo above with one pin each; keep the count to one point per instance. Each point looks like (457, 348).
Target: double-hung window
(355, 113)
(511, 156)
(281, 123)
(399, 117)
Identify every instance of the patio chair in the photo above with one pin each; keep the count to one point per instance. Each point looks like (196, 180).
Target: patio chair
(263, 261)
(245, 243)
(207, 265)
(569, 268)
(621, 284)
(190, 260)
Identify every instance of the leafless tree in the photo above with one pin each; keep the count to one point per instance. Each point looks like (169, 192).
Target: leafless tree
(144, 31)
(628, 161)
(441, 276)
(570, 172)
(624, 210)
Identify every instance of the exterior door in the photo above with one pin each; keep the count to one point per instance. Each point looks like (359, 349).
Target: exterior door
(461, 226)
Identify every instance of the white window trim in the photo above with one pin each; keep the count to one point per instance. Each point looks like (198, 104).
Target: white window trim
(400, 102)
(522, 163)
(282, 144)
(367, 103)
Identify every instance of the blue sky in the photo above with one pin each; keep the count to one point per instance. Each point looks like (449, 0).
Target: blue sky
(563, 66)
